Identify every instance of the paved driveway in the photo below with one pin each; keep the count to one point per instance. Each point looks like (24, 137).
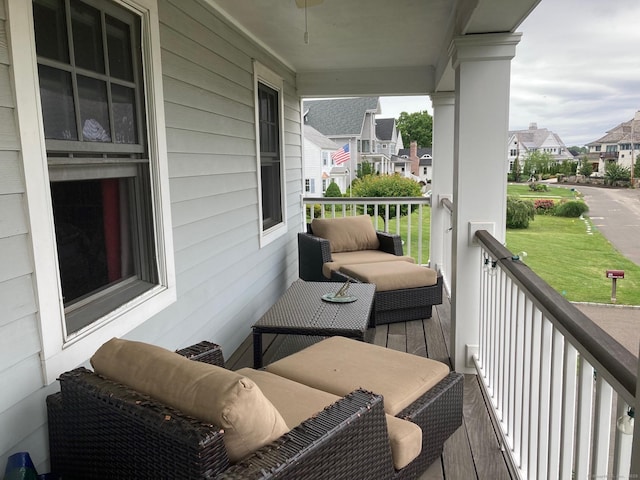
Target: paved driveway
(616, 213)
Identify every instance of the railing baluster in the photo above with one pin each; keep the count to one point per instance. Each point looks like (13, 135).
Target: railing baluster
(585, 411)
(526, 384)
(601, 428)
(622, 445)
(420, 227)
(518, 380)
(545, 393)
(555, 407)
(408, 230)
(569, 402)
(534, 397)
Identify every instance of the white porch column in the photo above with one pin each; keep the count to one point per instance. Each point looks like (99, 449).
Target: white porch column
(442, 175)
(482, 66)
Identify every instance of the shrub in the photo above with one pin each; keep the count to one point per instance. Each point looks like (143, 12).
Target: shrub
(615, 172)
(333, 190)
(386, 186)
(519, 212)
(544, 206)
(571, 209)
(538, 187)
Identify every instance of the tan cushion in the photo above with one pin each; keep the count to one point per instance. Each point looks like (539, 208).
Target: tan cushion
(361, 256)
(209, 393)
(340, 365)
(392, 275)
(297, 403)
(347, 234)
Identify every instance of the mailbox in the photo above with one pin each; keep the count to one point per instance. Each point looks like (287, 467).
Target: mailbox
(615, 273)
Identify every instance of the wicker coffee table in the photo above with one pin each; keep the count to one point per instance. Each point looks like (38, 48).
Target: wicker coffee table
(302, 311)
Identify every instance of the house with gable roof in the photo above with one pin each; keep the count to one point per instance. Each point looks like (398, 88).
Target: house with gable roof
(348, 121)
(319, 167)
(621, 144)
(390, 143)
(523, 142)
(418, 163)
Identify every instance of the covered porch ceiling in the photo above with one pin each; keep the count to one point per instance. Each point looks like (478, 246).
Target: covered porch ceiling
(370, 47)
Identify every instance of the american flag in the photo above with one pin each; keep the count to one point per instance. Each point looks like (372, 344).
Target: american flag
(341, 155)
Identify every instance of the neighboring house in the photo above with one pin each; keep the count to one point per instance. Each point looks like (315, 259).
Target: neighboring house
(620, 145)
(523, 142)
(151, 165)
(318, 163)
(420, 162)
(349, 121)
(389, 140)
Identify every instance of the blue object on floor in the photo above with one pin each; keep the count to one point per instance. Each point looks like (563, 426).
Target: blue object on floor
(20, 467)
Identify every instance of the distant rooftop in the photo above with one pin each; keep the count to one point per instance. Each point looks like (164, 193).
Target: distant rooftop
(339, 117)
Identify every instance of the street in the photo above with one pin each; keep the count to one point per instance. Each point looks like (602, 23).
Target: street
(615, 212)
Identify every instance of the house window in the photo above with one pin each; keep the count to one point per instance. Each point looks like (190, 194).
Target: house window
(612, 148)
(92, 97)
(269, 135)
(513, 152)
(324, 185)
(96, 170)
(598, 148)
(326, 158)
(307, 185)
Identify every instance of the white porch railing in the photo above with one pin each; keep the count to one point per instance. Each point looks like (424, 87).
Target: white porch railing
(447, 238)
(557, 382)
(387, 215)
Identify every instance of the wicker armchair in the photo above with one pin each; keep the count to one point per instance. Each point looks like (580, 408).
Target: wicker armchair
(100, 429)
(390, 306)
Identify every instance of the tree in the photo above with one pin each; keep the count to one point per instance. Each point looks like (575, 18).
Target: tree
(416, 127)
(516, 170)
(586, 168)
(575, 151)
(364, 169)
(636, 168)
(537, 162)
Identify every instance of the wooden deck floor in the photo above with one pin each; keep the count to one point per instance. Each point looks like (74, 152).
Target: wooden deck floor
(473, 451)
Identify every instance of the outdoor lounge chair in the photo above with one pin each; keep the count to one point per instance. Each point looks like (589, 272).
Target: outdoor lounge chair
(344, 248)
(102, 429)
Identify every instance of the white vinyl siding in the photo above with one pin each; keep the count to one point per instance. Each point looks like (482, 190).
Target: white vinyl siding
(224, 280)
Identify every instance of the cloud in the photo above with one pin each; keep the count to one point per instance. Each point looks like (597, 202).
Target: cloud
(577, 68)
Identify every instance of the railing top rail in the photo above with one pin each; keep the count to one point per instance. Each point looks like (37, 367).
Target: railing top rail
(620, 364)
(368, 200)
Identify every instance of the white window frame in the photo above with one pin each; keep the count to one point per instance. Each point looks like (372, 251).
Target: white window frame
(264, 75)
(61, 351)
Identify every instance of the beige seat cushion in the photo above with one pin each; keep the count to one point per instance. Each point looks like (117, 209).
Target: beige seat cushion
(297, 402)
(347, 234)
(392, 275)
(340, 365)
(361, 256)
(209, 393)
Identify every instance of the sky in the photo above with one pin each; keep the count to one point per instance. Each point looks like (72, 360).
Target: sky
(576, 71)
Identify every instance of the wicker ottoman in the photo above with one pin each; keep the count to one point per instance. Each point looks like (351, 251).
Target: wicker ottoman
(404, 291)
(414, 388)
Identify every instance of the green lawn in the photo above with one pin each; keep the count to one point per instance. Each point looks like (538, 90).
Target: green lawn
(520, 190)
(573, 262)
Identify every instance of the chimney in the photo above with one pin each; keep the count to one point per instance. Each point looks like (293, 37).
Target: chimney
(413, 156)
(533, 126)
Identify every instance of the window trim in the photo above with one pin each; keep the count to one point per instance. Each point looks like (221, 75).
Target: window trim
(266, 76)
(60, 352)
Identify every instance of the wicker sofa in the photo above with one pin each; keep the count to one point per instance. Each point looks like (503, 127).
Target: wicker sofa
(321, 259)
(101, 429)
